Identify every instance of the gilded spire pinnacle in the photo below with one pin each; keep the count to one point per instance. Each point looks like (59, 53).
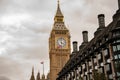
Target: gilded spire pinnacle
(59, 13)
(58, 2)
(59, 16)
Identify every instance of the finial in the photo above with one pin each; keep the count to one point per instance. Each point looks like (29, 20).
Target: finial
(58, 2)
(33, 70)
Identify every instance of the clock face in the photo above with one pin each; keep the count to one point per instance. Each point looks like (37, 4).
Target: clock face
(61, 42)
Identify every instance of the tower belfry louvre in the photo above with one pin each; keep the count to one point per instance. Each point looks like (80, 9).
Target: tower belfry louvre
(59, 44)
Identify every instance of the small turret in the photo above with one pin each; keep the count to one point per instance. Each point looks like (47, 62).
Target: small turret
(48, 76)
(43, 77)
(38, 76)
(32, 76)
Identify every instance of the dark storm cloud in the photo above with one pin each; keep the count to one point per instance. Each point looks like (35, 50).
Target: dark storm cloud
(38, 27)
(25, 27)
(86, 13)
(26, 39)
(4, 78)
(33, 7)
(9, 68)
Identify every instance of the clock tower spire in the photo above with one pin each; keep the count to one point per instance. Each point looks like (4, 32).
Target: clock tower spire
(59, 16)
(59, 19)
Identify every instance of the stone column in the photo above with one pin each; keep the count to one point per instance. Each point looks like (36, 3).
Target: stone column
(76, 74)
(66, 76)
(70, 75)
(104, 64)
(73, 74)
(112, 62)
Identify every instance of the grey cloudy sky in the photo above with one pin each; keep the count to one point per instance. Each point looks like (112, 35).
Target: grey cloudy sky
(25, 26)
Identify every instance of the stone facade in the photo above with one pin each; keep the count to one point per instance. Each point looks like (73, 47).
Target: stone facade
(102, 53)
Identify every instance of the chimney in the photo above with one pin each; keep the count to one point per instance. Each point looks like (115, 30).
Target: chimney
(85, 36)
(75, 46)
(101, 20)
(85, 40)
(119, 4)
(116, 16)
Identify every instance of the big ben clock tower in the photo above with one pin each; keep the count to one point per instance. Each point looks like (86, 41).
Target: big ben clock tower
(59, 44)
